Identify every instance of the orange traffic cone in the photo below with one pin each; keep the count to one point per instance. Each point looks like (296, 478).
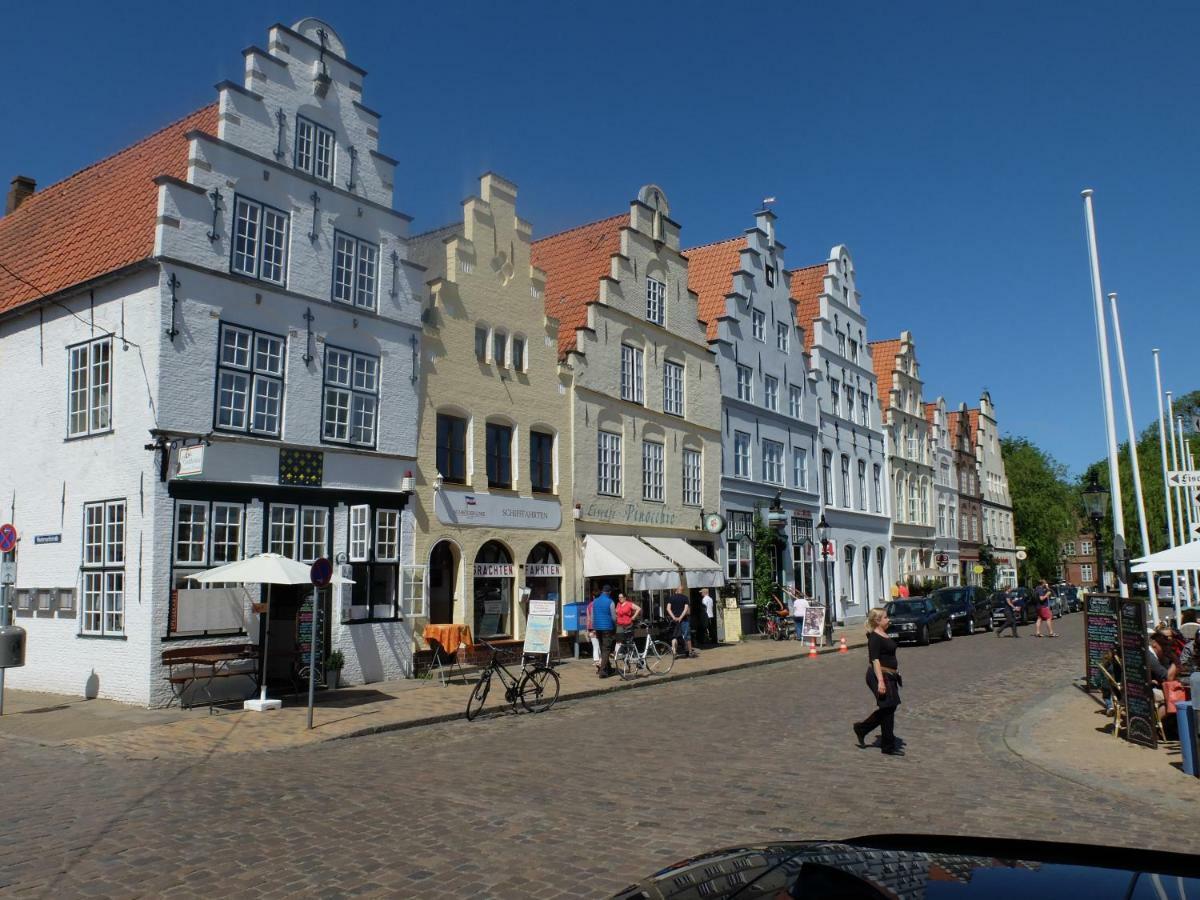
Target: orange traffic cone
(842, 648)
(812, 650)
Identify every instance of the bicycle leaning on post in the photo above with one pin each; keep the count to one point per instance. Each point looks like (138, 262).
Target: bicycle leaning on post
(536, 688)
(654, 658)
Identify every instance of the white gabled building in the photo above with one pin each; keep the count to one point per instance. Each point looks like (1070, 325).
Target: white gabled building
(945, 490)
(853, 456)
(225, 360)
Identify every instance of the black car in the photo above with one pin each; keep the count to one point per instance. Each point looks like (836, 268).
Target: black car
(919, 619)
(1069, 594)
(970, 608)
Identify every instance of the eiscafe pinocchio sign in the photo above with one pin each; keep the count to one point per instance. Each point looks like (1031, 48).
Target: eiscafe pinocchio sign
(462, 508)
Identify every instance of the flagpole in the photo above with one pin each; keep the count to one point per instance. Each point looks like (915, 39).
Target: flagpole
(1133, 453)
(1114, 474)
(1162, 446)
(1179, 513)
(1187, 506)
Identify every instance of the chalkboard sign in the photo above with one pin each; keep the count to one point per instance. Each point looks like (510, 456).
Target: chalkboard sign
(1139, 696)
(304, 637)
(1100, 635)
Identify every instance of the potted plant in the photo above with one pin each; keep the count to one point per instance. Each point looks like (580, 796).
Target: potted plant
(333, 668)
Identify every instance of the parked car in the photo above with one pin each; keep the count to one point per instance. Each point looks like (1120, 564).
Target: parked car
(970, 608)
(919, 619)
(1165, 592)
(1072, 602)
(1026, 605)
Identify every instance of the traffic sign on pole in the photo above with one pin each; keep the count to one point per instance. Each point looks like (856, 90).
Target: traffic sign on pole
(321, 572)
(8, 538)
(1196, 531)
(1183, 478)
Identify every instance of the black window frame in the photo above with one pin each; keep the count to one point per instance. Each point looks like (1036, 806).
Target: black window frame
(312, 170)
(357, 257)
(376, 395)
(258, 248)
(499, 452)
(541, 465)
(443, 445)
(253, 373)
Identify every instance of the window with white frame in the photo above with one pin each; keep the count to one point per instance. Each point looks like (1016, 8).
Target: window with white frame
(673, 388)
(952, 527)
(500, 348)
(652, 471)
(351, 397)
(260, 237)
(795, 401)
(783, 336)
(758, 325)
(772, 462)
(693, 483)
(355, 271)
(608, 464)
(412, 591)
(314, 533)
(877, 484)
(250, 381)
(849, 402)
(518, 353)
(741, 454)
(376, 592)
(360, 533)
(1085, 548)
(745, 383)
(1085, 573)
(89, 390)
(862, 485)
(841, 344)
(853, 350)
(800, 468)
(314, 149)
(898, 509)
(191, 534)
(913, 502)
(656, 300)
(481, 342)
(827, 477)
(863, 409)
(282, 526)
(771, 392)
(1069, 548)
(835, 396)
(846, 481)
(387, 535)
(632, 374)
(103, 608)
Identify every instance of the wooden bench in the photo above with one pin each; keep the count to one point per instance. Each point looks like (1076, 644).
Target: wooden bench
(201, 666)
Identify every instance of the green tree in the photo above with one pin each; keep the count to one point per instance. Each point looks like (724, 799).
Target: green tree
(1045, 505)
(764, 539)
(989, 568)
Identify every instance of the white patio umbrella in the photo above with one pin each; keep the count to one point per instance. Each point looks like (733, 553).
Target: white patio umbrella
(1185, 556)
(268, 569)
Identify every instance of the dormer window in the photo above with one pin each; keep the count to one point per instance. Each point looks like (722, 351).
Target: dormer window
(314, 149)
(770, 276)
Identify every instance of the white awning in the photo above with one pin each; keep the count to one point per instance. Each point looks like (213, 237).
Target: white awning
(619, 555)
(1185, 556)
(698, 569)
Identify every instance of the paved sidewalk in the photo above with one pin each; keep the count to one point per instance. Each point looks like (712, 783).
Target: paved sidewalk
(115, 729)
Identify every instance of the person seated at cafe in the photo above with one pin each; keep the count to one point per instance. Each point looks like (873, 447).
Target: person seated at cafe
(1111, 663)
(1160, 671)
(1189, 659)
(1160, 647)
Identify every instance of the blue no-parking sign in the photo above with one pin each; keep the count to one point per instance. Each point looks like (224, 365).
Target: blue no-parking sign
(321, 572)
(8, 538)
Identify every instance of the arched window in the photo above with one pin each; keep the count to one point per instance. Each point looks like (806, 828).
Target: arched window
(493, 583)
(881, 572)
(866, 575)
(850, 560)
(898, 509)
(900, 554)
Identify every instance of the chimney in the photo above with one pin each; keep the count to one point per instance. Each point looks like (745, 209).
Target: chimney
(21, 190)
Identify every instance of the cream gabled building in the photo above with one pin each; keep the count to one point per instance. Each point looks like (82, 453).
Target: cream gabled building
(645, 400)
(493, 499)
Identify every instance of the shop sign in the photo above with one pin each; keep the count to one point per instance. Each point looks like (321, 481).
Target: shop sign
(189, 461)
(631, 513)
(461, 508)
(543, 570)
(494, 570)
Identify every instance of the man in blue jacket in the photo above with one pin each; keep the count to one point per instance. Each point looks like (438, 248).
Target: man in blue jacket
(604, 621)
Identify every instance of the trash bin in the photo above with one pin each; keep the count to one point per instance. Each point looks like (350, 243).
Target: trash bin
(1185, 720)
(12, 646)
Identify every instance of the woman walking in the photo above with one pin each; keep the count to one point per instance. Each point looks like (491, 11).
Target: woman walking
(883, 678)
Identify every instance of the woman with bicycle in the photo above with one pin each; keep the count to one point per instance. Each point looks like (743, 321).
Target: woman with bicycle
(627, 614)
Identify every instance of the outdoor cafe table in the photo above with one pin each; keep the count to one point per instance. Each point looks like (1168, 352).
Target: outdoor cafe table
(445, 640)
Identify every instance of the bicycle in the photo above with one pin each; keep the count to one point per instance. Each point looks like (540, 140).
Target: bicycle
(655, 657)
(536, 689)
(777, 628)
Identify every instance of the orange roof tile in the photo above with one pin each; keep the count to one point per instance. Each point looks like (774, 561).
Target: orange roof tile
(96, 221)
(574, 262)
(710, 277)
(807, 286)
(973, 424)
(883, 357)
(931, 414)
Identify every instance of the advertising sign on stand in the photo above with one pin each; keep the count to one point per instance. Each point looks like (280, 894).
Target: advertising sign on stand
(1100, 636)
(1139, 695)
(539, 628)
(814, 621)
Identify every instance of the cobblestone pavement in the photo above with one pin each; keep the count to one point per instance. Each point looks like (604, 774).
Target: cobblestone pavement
(580, 801)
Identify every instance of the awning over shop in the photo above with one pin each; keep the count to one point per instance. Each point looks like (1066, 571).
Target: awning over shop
(698, 570)
(620, 555)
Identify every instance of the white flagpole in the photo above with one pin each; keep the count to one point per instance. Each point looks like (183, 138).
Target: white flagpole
(1180, 522)
(1114, 475)
(1133, 454)
(1187, 506)
(1162, 446)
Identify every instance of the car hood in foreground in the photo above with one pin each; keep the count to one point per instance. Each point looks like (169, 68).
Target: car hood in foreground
(921, 866)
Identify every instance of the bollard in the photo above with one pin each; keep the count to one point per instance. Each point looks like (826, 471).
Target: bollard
(1185, 720)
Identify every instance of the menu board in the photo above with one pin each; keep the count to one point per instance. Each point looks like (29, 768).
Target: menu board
(304, 634)
(1139, 696)
(1100, 635)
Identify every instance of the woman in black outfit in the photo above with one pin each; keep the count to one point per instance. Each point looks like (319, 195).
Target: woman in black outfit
(883, 679)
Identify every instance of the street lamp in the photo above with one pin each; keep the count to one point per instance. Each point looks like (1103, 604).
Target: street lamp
(1095, 501)
(826, 553)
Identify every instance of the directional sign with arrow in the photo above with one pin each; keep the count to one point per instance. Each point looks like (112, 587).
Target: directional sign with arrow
(1182, 478)
(1196, 531)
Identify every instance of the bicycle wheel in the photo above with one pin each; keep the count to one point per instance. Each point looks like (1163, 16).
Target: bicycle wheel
(539, 689)
(628, 666)
(660, 658)
(479, 695)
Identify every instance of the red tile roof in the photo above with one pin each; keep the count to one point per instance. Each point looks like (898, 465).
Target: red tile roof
(574, 262)
(931, 414)
(953, 419)
(973, 425)
(710, 277)
(98, 220)
(807, 286)
(883, 356)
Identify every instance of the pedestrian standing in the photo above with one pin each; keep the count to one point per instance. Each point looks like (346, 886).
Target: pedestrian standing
(604, 620)
(799, 604)
(591, 630)
(710, 617)
(677, 610)
(1010, 614)
(883, 678)
(627, 613)
(1044, 612)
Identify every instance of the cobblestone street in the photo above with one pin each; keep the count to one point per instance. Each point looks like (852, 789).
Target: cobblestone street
(583, 800)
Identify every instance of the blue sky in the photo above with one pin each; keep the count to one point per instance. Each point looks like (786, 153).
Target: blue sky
(945, 143)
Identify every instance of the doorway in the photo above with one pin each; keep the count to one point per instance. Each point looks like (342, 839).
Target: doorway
(443, 582)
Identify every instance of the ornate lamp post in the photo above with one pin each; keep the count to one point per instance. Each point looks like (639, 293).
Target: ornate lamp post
(826, 554)
(1095, 501)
